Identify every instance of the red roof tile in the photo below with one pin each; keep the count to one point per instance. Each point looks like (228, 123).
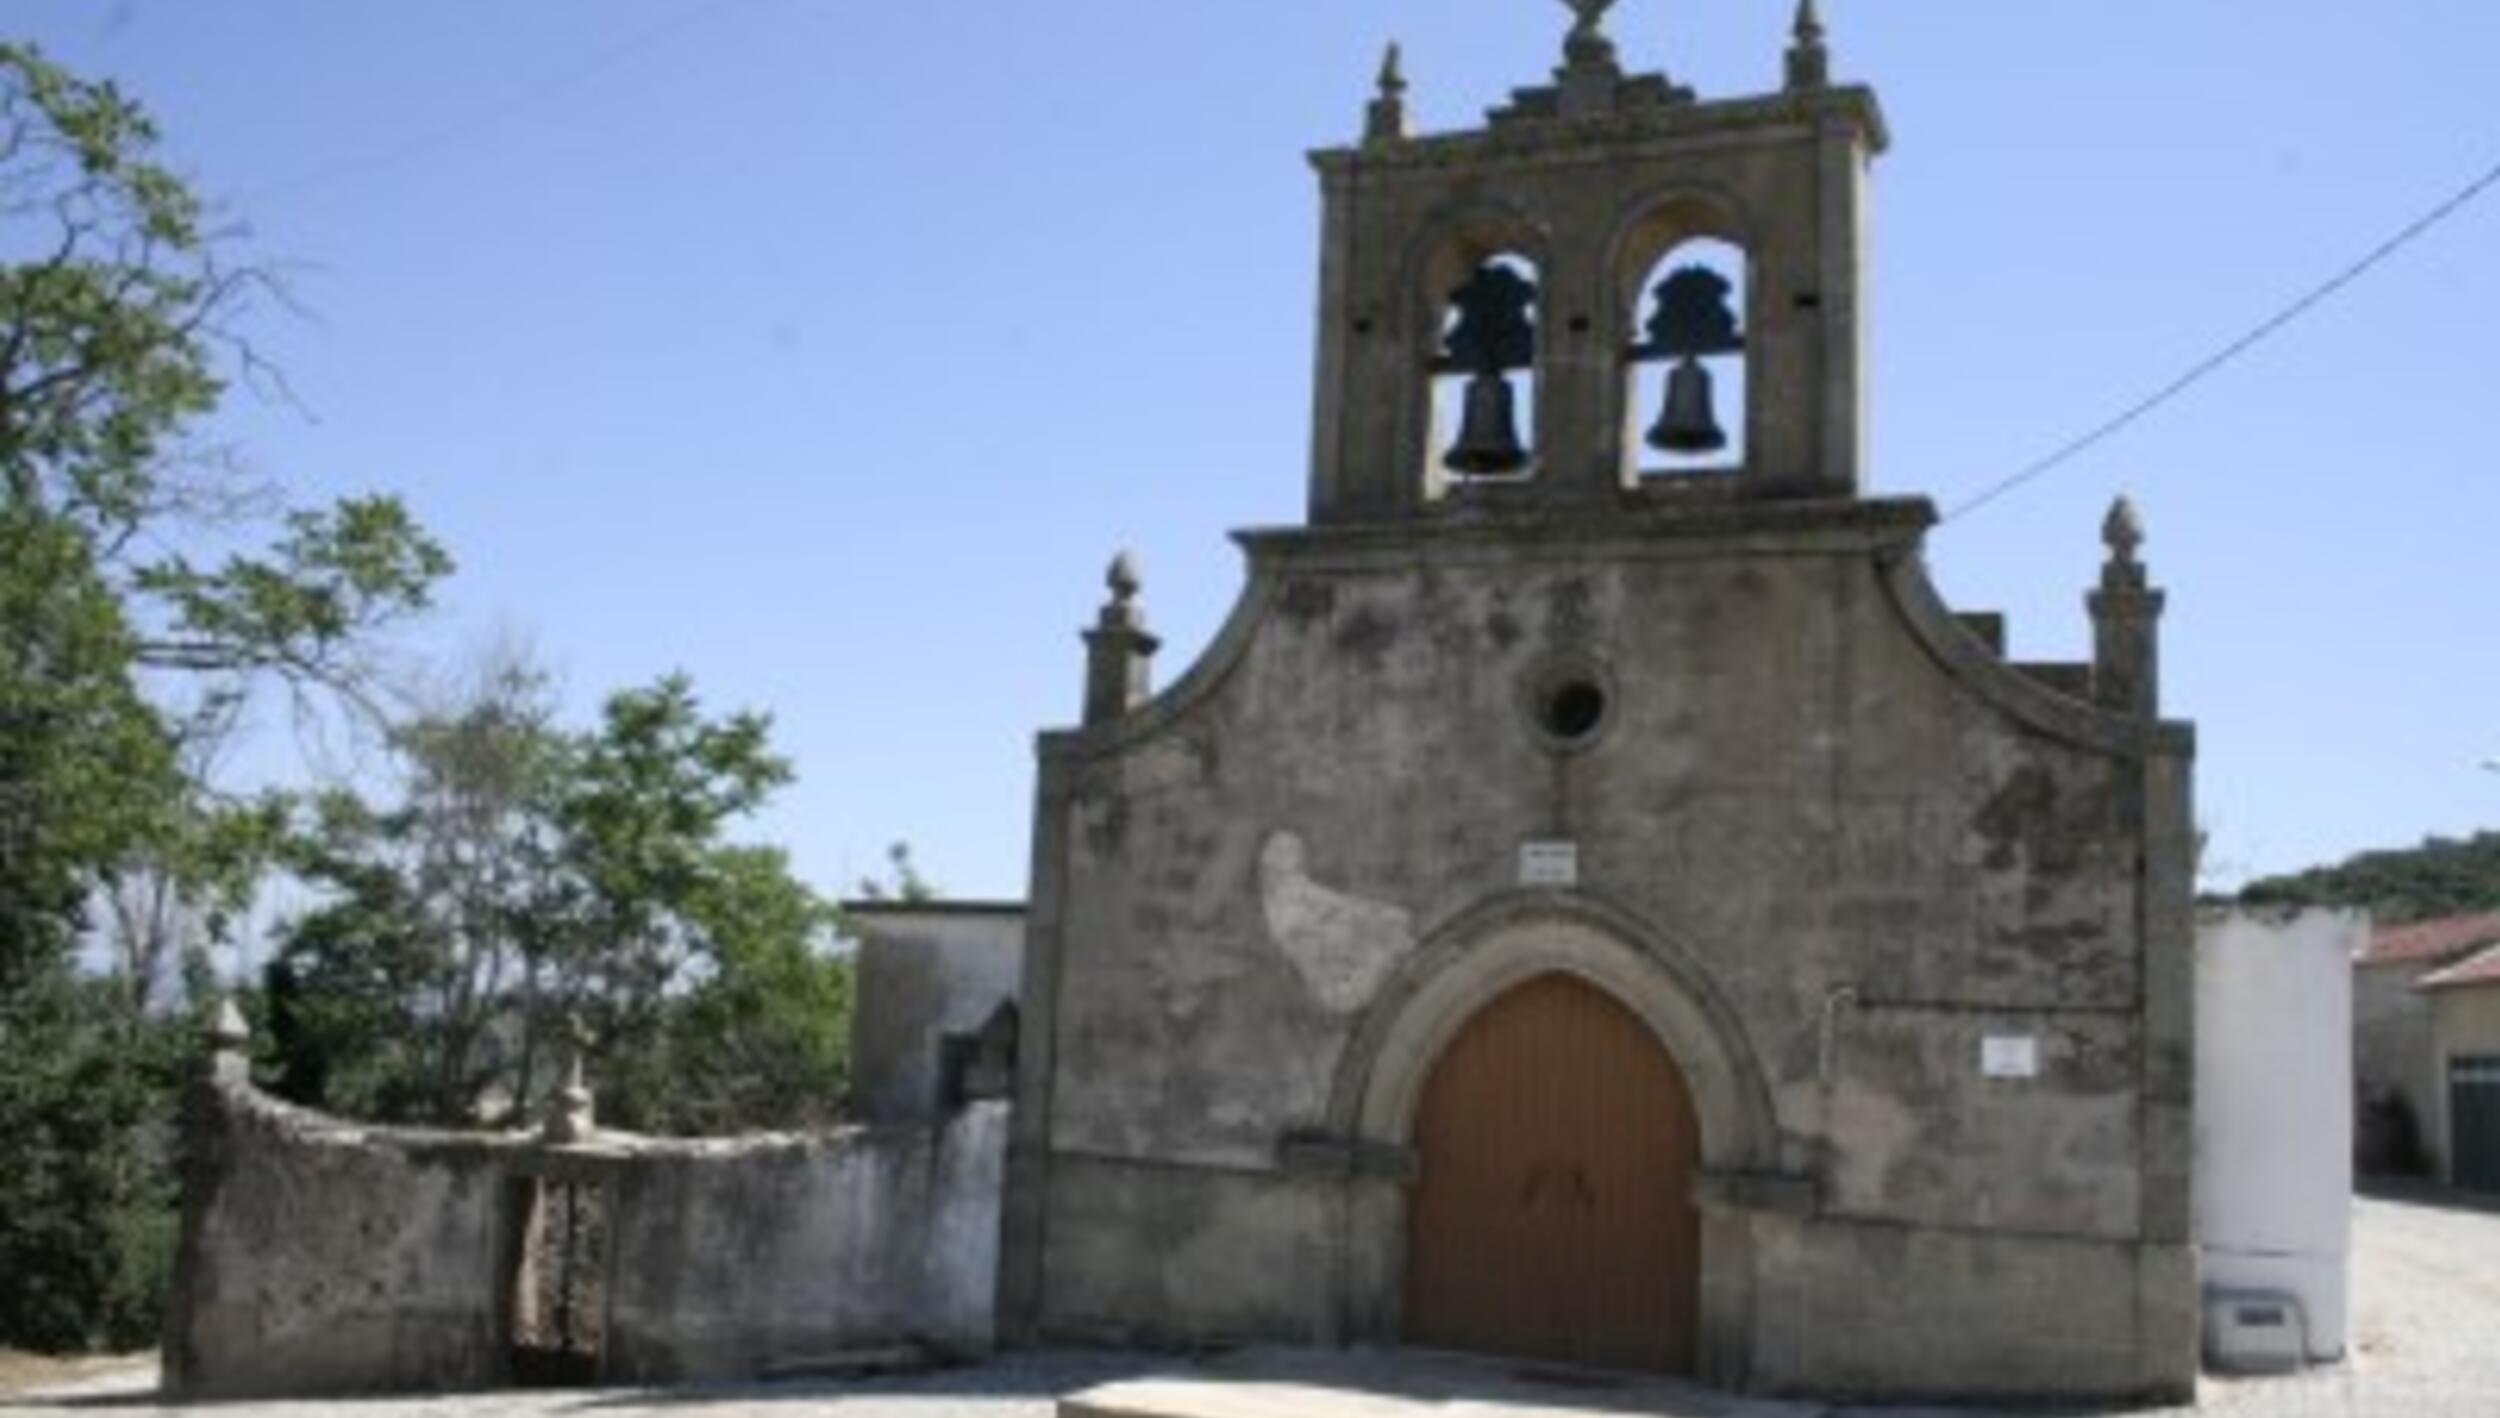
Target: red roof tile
(2431, 942)
(2482, 969)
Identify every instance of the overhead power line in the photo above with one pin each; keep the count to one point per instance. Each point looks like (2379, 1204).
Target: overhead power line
(2213, 364)
(492, 115)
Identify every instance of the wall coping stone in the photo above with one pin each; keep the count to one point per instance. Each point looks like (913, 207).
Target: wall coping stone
(1603, 138)
(312, 1127)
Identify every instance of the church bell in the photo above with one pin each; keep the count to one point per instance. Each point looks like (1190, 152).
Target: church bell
(1488, 435)
(1690, 423)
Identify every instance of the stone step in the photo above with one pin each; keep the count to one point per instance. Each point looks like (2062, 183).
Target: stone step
(1404, 1384)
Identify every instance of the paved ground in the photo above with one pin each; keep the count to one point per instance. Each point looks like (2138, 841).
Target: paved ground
(2426, 1337)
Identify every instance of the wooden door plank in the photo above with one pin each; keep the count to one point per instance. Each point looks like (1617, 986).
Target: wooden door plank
(1552, 1218)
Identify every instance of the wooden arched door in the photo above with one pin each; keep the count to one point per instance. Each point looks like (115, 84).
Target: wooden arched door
(1552, 1218)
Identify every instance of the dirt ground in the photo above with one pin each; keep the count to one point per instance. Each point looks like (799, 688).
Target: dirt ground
(20, 1372)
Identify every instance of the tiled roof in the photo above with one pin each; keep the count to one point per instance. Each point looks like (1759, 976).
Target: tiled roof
(2479, 969)
(2431, 942)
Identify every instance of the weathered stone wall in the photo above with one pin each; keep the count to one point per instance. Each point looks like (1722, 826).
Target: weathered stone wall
(736, 1257)
(923, 972)
(1832, 838)
(319, 1257)
(1956, 1313)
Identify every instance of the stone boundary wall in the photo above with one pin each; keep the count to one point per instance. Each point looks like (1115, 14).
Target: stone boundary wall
(322, 1257)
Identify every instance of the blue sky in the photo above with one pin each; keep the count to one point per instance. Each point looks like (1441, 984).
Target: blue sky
(827, 350)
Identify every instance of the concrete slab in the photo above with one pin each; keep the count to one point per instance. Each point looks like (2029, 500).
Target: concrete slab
(1404, 1384)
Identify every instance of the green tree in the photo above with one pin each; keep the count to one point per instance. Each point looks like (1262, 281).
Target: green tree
(528, 884)
(87, 768)
(763, 1039)
(86, 1195)
(119, 332)
(395, 999)
(643, 820)
(122, 645)
(2444, 876)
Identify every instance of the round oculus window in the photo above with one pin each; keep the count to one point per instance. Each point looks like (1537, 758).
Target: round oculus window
(1573, 710)
(1569, 703)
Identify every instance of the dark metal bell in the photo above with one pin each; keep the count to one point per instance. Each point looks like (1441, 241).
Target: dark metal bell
(1691, 421)
(1488, 436)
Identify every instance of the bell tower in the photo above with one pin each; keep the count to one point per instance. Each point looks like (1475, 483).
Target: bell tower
(1612, 295)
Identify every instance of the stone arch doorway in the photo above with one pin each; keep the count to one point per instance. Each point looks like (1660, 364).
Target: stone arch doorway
(1552, 1214)
(1471, 961)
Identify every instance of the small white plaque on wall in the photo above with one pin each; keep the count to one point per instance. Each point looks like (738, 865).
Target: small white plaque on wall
(2009, 1056)
(1549, 864)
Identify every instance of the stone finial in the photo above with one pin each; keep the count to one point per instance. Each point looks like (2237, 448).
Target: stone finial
(2126, 621)
(1587, 46)
(2123, 532)
(1123, 579)
(574, 1118)
(1809, 58)
(229, 1041)
(227, 1030)
(1387, 121)
(1119, 653)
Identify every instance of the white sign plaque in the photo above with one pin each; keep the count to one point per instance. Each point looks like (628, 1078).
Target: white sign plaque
(2009, 1056)
(1549, 864)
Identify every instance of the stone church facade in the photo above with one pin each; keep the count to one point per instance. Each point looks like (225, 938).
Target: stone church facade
(1592, 904)
(1593, 901)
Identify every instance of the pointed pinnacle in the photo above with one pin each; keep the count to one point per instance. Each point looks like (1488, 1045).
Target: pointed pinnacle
(1809, 27)
(1393, 71)
(2123, 532)
(1809, 59)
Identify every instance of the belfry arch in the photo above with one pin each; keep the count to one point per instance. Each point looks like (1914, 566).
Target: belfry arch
(1457, 256)
(1677, 230)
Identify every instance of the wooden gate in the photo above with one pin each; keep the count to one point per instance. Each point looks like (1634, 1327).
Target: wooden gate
(1553, 1218)
(2474, 1122)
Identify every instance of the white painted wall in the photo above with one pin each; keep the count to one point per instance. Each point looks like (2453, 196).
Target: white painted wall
(2274, 1078)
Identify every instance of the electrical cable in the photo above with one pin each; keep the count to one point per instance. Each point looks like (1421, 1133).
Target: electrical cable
(488, 117)
(2213, 364)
